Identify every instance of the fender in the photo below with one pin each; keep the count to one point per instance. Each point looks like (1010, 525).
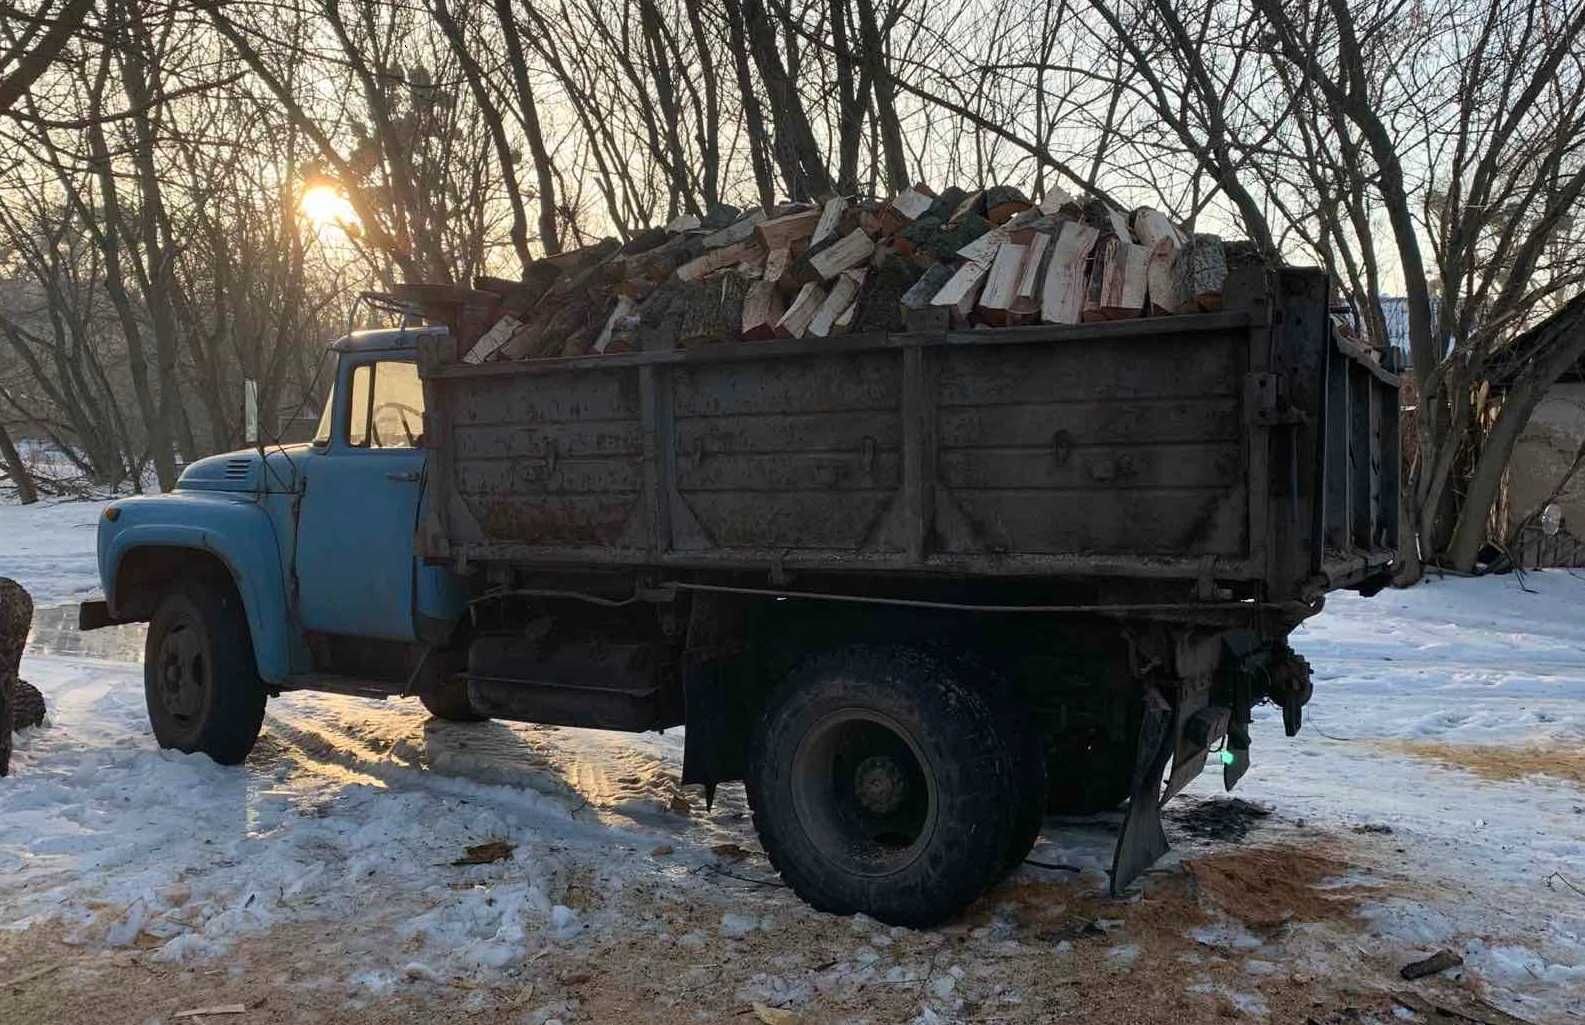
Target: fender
(238, 531)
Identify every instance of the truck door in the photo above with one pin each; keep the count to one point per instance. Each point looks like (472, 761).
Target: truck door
(360, 504)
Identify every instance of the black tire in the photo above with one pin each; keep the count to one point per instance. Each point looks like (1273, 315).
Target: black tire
(28, 706)
(449, 701)
(1028, 759)
(199, 677)
(879, 783)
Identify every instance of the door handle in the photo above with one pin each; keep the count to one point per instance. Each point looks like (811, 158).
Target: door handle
(407, 475)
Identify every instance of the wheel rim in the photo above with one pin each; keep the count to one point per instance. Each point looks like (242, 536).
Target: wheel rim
(864, 792)
(184, 672)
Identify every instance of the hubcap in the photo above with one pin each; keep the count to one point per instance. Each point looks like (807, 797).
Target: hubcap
(863, 792)
(879, 785)
(184, 672)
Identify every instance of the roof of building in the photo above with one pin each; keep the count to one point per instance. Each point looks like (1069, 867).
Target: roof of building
(1395, 311)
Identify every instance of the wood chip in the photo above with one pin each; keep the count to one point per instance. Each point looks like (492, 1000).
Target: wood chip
(774, 1015)
(37, 973)
(198, 1012)
(485, 853)
(1438, 962)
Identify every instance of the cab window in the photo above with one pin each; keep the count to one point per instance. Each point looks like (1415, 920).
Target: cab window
(385, 406)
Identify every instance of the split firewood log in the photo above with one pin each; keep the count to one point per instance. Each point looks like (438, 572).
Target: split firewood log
(823, 264)
(1162, 242)
(787, 231)
(712, 260)
(762, 308)
(796, 320)
(1200, 272)
(740, 230)
(1001, 284)
(1062, 294)
(839, 299)
(917, 305)
(1117, 281)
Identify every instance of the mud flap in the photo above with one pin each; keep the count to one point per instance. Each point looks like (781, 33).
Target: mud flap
(1142, 840)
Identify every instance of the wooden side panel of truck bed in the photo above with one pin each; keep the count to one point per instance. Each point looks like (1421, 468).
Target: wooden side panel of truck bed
(1141, 448)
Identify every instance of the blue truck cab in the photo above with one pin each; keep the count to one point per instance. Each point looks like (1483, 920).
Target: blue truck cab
(294, 564)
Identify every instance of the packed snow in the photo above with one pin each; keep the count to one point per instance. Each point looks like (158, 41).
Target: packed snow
(354, 810)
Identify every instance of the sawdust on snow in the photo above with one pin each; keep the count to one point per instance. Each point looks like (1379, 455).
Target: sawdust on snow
(1499, 761)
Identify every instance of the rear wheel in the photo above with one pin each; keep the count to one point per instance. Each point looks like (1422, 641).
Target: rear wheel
(449, 700)
(202, 687)
(880, 783)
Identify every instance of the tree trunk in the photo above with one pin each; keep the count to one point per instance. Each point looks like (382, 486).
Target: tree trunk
(1560, 341)
(27, 494)
(528, 112)
(492, 119)
(753, 116)
(891, 130)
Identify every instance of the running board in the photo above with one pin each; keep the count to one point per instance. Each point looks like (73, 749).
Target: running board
(334, 683)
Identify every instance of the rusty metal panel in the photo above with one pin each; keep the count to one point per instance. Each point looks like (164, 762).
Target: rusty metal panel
(552, 460)
(799, 454)
(1093, 447)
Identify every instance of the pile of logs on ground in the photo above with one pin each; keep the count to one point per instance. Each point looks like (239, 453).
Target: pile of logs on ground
(919, 262)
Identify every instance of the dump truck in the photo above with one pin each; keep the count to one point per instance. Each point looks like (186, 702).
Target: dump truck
(915, 590)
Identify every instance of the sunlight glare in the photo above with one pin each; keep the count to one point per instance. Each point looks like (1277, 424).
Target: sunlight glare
(326, 207)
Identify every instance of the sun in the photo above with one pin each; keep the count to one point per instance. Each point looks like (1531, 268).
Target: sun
(326, 207)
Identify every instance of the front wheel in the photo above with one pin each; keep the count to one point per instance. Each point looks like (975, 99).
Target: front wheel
(449, 701)
(879, 783)
(202, 687)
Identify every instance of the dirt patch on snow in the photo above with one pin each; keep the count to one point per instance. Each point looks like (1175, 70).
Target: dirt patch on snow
(1033, 950)
(1265, 887)
(1217, 818)
(1499, 761)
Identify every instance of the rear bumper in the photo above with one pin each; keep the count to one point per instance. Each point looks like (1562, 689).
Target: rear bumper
(91, 615)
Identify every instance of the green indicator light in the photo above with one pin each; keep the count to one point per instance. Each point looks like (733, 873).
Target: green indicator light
(1227, 758)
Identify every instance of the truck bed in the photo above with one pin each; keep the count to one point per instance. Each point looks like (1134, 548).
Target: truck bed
(1243, 454)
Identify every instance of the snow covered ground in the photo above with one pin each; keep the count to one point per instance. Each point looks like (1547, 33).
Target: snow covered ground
(48, 547)
(1435, 799)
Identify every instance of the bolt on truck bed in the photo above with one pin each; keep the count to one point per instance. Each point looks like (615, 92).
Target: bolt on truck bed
(1243, 455)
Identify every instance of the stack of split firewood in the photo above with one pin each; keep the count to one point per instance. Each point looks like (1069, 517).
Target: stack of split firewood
(918, 262)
